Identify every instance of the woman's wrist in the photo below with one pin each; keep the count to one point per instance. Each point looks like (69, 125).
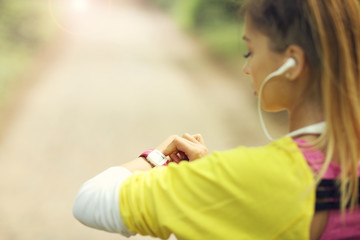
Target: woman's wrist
(138, 164)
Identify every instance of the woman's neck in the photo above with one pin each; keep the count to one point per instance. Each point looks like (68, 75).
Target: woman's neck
(305, 114)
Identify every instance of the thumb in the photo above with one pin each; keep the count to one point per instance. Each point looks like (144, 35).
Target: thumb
(169, 149)
(178, 145)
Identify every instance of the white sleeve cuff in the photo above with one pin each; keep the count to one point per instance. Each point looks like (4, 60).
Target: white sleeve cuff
(97, 203)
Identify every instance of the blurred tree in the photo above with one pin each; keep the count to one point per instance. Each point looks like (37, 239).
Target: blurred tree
(193, 14)
(24, 28)
(216, 22)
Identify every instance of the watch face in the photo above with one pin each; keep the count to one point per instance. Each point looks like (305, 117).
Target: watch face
(157, 158)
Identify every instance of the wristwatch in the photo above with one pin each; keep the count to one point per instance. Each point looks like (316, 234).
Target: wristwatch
(155, 158)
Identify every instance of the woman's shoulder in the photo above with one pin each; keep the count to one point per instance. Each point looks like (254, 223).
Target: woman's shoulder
(280, 160)
(283, 152)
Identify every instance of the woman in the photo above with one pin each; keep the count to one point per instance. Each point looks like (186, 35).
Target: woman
(304, 57)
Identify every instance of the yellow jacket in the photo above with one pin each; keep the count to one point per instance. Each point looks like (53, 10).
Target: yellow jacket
(245, 193)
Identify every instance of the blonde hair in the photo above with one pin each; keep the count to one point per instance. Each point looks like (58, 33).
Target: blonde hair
(338, 26)
(329, 33)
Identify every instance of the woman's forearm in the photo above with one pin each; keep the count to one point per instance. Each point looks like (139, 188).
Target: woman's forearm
(138, 164)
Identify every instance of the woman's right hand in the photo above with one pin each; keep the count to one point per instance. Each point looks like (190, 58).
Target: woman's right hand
(188, 147)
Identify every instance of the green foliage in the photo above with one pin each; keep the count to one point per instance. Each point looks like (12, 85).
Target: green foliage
(216, 22)
(225, 41)
(24, 28)
(192, 14)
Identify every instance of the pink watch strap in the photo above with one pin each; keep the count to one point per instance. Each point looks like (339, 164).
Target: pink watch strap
(146, 153)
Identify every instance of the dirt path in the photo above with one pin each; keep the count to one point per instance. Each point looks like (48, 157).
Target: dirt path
(125, 79)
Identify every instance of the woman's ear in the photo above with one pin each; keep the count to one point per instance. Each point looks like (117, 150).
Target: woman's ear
(298, 54)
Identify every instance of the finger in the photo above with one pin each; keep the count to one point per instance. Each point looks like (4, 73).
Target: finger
(182, 156)
(181, 145)
(170, 148)
(190, 138)
(174, 157)
(199, 138)
(178, 157)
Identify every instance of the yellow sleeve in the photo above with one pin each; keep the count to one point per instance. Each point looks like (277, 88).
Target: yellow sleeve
(245, 193)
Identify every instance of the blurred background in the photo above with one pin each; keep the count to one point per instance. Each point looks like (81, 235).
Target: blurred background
(89, 84)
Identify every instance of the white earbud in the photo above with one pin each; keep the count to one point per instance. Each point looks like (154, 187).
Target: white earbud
(288, 64)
